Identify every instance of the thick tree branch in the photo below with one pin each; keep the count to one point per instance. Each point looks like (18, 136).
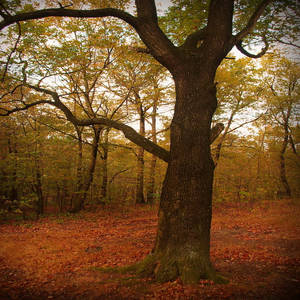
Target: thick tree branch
(128, 131)
(146, 10)
(130, 134)
(62, 12)
(238, 38)
(220, 16)
(145, 24)
(258, 55)
(160, 47)
(252, 21)
(139, 49)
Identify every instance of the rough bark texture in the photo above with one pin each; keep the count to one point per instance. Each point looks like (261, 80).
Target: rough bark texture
(183, 238)
(182, 247)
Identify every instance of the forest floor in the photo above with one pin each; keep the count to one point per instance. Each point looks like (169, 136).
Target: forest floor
(58, 257)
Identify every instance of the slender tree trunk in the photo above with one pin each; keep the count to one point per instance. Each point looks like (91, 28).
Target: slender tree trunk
(38, 177)
(182, 247)
(13, 191)
(79, 175)
(59, 198)
(151, 184)
(139, 195)
(222, 139)
(39, 189)
(260, 155)
(283, 178)
(78, 202)
(79, 171)
(103, 190)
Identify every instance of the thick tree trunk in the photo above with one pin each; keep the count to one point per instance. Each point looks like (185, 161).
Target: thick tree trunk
(182, 246)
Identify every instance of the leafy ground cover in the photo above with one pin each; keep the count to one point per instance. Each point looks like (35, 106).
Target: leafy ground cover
(59, 257)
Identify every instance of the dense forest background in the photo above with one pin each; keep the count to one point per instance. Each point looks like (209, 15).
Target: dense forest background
(49, 164)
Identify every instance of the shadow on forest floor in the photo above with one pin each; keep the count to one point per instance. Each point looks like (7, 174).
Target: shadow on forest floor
(257, 248)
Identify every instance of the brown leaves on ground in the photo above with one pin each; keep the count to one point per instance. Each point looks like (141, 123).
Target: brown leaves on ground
(256, 248)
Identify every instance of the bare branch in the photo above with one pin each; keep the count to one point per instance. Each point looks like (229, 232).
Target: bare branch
(116, 174)
(25, 107)
(4, 15)
(12, 52)
(64, 6)
(215, 131)
(287, 43)
(293, 145)
(248, 122)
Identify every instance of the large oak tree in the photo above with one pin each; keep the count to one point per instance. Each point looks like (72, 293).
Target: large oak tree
(182, 247)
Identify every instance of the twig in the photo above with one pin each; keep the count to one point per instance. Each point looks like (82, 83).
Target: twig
(12, 52)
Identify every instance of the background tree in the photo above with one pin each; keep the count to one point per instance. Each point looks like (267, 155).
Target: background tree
(238, 93)
(282, 99)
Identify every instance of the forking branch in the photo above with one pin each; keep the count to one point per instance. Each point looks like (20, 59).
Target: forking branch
(128, 131)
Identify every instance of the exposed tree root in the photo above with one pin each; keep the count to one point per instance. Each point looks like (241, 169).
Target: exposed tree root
(163, 268)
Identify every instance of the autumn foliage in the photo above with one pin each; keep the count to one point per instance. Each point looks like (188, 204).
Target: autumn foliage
(62, 257)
